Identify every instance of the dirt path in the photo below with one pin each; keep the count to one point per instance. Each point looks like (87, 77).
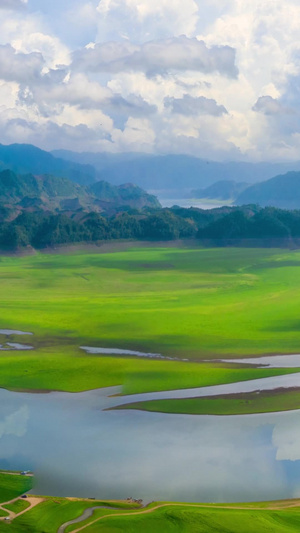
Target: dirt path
(32, 500)
(85, 515)
(199, 506)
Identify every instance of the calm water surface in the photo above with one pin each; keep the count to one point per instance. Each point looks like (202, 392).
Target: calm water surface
(77, 449)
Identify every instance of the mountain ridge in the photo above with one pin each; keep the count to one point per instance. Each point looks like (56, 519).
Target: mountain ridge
(50, 193)
(159, 172)
(281, 191)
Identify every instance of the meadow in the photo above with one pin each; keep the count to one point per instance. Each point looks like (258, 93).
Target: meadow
(275, 517)
(205, 520)
(12, 486)
(189, 303)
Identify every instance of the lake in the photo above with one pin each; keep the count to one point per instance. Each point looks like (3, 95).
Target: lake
(77, 449)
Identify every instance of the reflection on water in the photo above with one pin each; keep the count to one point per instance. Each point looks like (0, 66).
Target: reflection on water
(77, 449)
(14, 332)
(192, 202)
(92, 350)
(271, 361)
(275, 382)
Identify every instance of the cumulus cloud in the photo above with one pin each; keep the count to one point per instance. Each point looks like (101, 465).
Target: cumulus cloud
(139, 19)
(189, 105)
(140, 75)
(268, 105)
(13, 4)
(57, 89)
(18, 66)
(158, 57)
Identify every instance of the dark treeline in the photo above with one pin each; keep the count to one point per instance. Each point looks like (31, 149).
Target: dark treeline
(40, 229)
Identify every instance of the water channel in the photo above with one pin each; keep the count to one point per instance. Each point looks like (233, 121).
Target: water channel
(77, 448)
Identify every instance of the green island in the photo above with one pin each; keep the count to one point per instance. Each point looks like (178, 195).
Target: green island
(43, 514)
(267, 401)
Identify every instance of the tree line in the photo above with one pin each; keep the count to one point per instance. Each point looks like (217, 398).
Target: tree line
(41, 229)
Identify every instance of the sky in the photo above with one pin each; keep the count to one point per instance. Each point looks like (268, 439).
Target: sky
(217, 79)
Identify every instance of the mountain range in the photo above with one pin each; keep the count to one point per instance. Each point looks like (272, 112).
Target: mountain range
(101, 177)
(173, 172)
(45, 192)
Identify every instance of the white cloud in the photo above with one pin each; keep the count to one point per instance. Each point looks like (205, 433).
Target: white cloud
(269, 106)
(158, 57)
(18, 66)
(191, 106)
(143, 19)
(13, 4)
(211, 78)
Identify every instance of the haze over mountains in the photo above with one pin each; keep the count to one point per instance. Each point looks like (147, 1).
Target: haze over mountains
(173, 172)
(221, 190)
(281, 191)
(173, 176)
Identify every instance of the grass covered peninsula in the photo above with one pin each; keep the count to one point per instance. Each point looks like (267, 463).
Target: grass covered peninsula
(266, 401)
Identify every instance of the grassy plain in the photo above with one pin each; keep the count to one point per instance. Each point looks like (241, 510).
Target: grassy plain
(275, 517)
(69, 370)
(12, 486)
(206, 520)
(188, 303)
(49, 515)
(230, 404)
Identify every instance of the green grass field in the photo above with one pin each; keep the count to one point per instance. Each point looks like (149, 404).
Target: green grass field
(49, 515)
(231, 404)
(276, 517)
(18, 506)
(184, 520)
(12, 486)
(69, 370)
(187, 303)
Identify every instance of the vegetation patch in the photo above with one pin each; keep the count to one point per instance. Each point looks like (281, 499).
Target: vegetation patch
(18, 506)
(230, 404)
(13, 485)
(49, 515)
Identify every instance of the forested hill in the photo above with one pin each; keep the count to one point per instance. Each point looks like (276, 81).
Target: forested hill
(281, 191)
(19, 193)
(225, 226)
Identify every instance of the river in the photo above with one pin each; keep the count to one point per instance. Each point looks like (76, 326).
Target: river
(76, 448)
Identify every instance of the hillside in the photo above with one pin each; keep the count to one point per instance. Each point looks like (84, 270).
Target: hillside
(282, 191)
(126, 194)
(221, 190)
(26, 158)
(28, 192)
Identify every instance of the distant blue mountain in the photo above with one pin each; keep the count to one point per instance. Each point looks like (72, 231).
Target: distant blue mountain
(173, 172)
(221, 190)
(281, 191)
(26, 158)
